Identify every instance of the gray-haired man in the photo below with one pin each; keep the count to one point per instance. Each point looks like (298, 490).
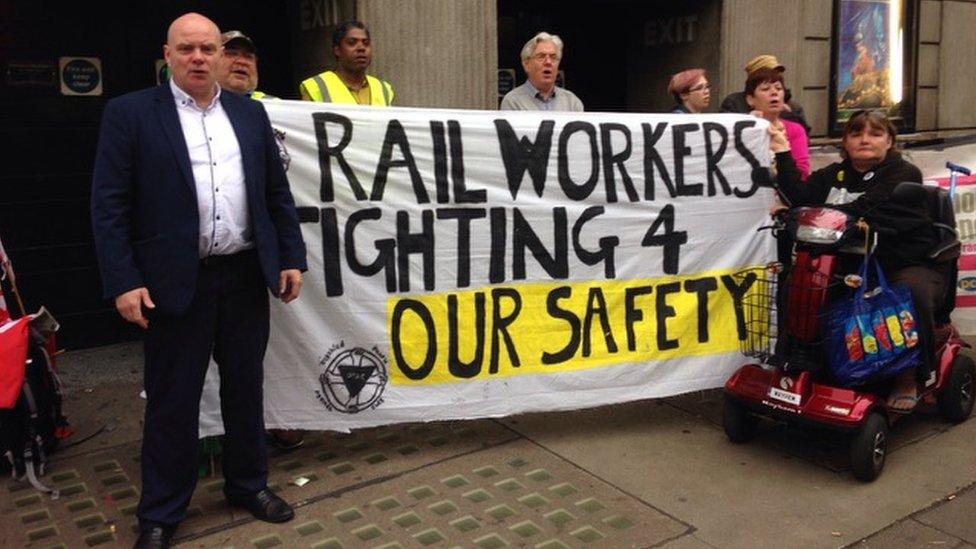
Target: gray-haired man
(540, 59)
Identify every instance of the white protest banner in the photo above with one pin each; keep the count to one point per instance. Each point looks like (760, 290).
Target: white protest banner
(469, 264)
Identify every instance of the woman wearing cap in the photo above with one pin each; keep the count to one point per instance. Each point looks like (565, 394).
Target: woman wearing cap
(690, 90)
(765, 94)
(862, 184)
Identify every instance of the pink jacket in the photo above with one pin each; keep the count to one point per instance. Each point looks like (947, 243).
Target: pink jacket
(799, 147)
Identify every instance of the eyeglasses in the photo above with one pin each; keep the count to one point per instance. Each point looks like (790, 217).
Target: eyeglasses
(700, 87)
(540, 57)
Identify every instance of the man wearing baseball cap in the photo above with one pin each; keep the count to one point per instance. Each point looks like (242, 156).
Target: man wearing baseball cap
(237, 69)
(736, 102)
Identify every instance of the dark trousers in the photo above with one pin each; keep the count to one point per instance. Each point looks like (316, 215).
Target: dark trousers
(928, 287)
(227, 318)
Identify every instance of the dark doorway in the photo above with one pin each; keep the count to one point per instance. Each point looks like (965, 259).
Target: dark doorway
(619, 54)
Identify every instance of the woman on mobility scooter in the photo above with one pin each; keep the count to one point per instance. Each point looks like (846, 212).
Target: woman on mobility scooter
(862, 184)
(912, 228)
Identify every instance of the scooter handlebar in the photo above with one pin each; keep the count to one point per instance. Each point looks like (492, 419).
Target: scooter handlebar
(957, 168)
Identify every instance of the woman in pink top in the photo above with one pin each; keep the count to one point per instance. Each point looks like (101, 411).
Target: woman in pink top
(765, 92)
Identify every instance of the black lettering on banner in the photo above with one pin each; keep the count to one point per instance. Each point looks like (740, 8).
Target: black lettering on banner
(632, 314)
(653, 160)
(496, 258)
(701, 287)
(437, 137)
(714, 156)
(671, 240)
(385, 260)
(738, 292)
(330, 253)
(596, 304)
(572, 190)
(552, 307)
(462, 195)
(611, 159)
(740, 146)
(455, 365)
(499, 325)
(664, 312)
(413, 243)
(520, 155)
(430, 357)
(523, 237)
(607, 244)
(326, 153)
(464, 217)
(395, 135)
(678, 132)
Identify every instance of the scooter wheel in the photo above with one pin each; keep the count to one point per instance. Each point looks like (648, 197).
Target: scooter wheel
(740, 426)
(956, 398)
(869, 448)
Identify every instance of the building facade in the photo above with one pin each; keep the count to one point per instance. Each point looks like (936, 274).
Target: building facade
(60, 65)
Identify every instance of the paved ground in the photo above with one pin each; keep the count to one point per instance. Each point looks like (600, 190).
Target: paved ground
(643, 474)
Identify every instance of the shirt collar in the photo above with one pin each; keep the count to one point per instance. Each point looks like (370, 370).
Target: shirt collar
(183, 99)
(538, 95)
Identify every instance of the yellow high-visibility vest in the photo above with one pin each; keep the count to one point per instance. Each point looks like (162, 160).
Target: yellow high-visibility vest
(261, 95)
(329, 88)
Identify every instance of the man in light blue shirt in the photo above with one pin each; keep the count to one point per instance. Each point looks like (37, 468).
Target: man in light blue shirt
(540, 59)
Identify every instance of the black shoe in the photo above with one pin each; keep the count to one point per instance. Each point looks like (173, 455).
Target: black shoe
(286, 440)
(154, 537)
(264, 505)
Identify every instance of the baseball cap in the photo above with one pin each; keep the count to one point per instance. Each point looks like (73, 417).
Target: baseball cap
(764, 62)
(237, 36)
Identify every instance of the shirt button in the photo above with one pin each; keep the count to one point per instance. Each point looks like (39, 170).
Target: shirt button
(218, 218)
(214, 163)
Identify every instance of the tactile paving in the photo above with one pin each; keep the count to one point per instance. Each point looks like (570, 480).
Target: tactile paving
(511, 494)
(100, 489)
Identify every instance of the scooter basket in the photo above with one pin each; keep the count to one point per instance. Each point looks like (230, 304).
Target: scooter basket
(758, 319)
(793, 341)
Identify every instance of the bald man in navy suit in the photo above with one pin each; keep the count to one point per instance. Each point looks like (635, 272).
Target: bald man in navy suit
(194, 223)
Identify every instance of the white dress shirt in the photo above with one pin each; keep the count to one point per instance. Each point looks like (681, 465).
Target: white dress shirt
(218, 174)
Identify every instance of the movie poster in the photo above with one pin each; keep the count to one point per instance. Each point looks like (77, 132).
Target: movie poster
(871, 59)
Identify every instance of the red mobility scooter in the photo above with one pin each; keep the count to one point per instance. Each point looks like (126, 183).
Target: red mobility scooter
(784, 331)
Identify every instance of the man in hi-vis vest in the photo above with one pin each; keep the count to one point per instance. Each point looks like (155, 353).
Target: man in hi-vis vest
(349, 83)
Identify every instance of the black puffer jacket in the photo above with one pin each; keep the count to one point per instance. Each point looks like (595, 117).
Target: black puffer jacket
(868, 195)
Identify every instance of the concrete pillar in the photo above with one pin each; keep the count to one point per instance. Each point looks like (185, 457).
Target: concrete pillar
(435, 53)
(957, 64)
(754, 27)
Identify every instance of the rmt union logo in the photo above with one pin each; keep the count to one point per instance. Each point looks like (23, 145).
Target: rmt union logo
(353, 379)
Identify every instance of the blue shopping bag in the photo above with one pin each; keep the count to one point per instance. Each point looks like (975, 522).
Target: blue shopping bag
(872, 335)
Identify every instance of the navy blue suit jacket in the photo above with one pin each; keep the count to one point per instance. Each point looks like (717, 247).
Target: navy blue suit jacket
(144, 205)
